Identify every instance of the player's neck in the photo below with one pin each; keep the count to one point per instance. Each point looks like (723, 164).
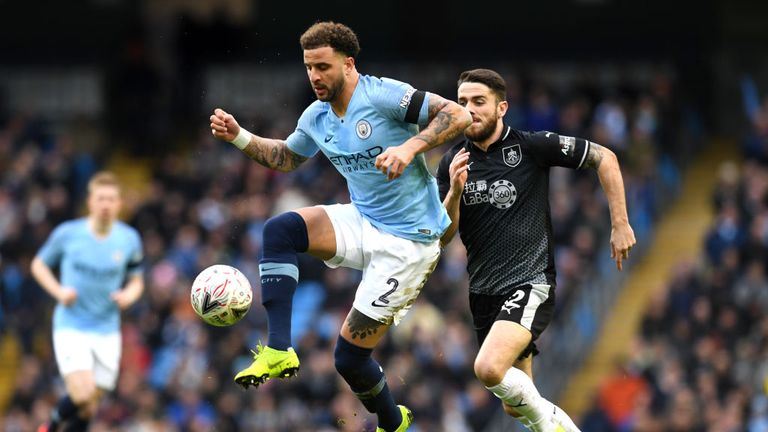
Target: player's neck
(341, 103)
(495, 136)
(99, 229)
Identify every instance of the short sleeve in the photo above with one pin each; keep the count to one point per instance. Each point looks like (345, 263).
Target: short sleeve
(400, 101)
(135, 265)
(53, 249)
(551, 149)
(300, 141)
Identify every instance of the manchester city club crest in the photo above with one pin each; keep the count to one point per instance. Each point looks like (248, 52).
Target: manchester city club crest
(363, 129)
(512, 155)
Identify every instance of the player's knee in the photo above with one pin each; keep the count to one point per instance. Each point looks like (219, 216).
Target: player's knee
(345, 361)
(350, 360)
(285, 233)
(488, 371)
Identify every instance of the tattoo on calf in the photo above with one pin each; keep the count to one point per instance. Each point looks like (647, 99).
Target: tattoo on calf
(361, 326)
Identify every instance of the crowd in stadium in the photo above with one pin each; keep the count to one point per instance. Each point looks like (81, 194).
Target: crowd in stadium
(208, 205)
(699, 360)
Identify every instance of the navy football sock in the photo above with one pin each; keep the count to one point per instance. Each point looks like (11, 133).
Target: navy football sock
(284, 237)
(366, 378)
(277, 288)
(63, 411)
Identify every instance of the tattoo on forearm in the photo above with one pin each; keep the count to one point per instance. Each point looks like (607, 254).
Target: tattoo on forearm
(276, 157)
(440, 123)
(424, 137)
(361, 326)
(594, 157)
(274, 154)
(297, 159)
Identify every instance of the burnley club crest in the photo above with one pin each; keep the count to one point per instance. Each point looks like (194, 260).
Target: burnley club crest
(512, 155)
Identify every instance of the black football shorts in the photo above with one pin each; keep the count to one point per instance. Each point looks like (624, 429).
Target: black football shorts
(529, 305)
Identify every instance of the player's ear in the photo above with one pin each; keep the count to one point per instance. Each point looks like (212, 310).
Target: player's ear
(349, 64)
(501, 108)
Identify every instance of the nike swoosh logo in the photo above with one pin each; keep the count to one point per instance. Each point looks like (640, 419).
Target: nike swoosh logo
(271, 365)
(270, 268)
(520, 404)
(328, 138)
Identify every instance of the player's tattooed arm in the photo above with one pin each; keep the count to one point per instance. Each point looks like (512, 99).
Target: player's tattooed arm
(594, 156)
(447, 119)
(273, 153)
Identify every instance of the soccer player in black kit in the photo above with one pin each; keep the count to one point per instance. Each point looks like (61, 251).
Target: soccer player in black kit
(495, 186)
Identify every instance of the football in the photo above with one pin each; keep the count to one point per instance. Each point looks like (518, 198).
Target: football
(221, 295)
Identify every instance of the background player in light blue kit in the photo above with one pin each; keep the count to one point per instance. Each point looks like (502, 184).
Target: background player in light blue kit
(368, 128)
(95, 255)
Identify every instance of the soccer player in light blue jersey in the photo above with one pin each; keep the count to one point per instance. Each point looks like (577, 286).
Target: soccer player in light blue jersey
(368, 128)
(100, 273)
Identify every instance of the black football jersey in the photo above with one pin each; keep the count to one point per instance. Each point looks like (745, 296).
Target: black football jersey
(505, 221)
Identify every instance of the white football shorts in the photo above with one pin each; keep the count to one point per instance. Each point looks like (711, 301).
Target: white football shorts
(394, 269)
(78, 350)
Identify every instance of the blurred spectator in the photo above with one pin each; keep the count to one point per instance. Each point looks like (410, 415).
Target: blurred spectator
(619, 395)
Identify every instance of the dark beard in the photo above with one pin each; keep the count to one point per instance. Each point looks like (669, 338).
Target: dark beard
(483, 134)
(333, 91)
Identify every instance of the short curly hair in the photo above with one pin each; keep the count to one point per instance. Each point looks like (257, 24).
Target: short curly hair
(328, 33)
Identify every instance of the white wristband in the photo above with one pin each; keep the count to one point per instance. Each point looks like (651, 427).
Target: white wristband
(242, 139)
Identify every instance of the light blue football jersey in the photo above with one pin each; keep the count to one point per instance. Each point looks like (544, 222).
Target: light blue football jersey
(95, 268)
(407, 207)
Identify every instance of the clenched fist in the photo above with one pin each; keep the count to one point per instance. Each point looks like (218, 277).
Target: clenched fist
(394, 160)
(223, 125)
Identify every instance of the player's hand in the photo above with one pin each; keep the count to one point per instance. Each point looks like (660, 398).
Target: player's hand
(394, 160)
(122, 299)
(66, 296)
(622, 241)
(458, 170)
(223, 125)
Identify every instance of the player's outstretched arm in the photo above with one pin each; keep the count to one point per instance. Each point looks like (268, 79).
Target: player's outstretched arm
(272, 153)
(447, 119)
(452, 202)
(45, 277)
(606, 164)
